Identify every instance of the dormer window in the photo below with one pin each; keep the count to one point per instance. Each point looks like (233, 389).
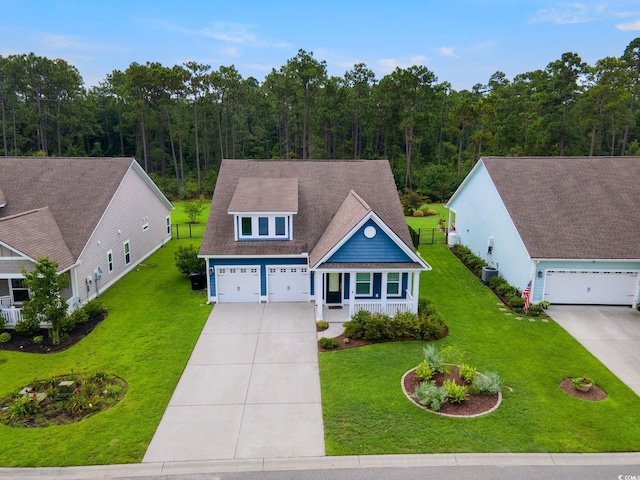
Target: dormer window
(263, 227)
(263, 208)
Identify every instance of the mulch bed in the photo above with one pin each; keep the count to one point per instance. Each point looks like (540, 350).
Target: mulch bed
(344, 342)
(473, 406)
(21, 343)
(595, 393)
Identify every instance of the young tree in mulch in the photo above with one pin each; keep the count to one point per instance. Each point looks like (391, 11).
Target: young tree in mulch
(45, 303)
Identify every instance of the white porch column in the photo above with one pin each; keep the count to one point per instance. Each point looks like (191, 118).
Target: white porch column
(318, 284)
(383, 291)
(416, 290)
(352, 293)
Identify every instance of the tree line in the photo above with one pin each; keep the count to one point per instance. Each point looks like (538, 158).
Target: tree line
(180, 121)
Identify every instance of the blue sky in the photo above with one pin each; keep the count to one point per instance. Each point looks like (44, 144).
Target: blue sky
(462, 42)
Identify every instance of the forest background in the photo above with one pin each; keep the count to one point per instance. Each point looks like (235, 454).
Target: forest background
(180, 121)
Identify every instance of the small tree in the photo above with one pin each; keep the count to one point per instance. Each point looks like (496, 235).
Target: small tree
(45, 303)
(193, 209)
(187, 260)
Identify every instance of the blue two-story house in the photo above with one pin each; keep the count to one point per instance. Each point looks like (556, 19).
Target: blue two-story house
(329, 232)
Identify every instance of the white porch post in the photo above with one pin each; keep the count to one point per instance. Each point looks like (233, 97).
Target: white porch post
(383, 292)
(318, 280)
(416, 289)
(352, 293)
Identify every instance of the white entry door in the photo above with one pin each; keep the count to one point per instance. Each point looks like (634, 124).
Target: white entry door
(238, 284)
(288, 283)
(590, 287)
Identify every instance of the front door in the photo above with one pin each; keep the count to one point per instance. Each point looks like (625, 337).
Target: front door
(334, 289)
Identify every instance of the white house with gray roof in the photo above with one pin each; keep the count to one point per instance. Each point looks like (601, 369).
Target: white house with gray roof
(329, 232)
(568, 225)
(98, 218)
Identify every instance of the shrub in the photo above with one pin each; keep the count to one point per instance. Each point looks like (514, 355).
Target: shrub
(430, 395)
(355, 327)
(452, 354)
(418, 213)
(424, 371)
(38, 339)
(328, 343)
(515, 301)
(187, 260)
(430, 212)
(27, 327)
(3, 322)
(505, 289)
(455, 393)
(22, 407)
(488, 383)
(321, 325)
(379, 327)
(77, 405)
(194, 208)
(433, 357)
(534, 309)
(495, 282)
(544, 304)
(5, 337)
(468, 373)
(92, 308)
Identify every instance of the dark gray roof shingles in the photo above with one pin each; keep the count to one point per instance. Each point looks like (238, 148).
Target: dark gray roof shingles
(322, 188)
(572, 207)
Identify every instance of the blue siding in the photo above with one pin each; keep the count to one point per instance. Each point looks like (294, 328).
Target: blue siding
(543, 266)
(345, 286)
(261, 262)
(359, 248)
(480, 214)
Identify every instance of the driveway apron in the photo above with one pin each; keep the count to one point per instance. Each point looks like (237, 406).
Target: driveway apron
(611, 334)
(251, 389)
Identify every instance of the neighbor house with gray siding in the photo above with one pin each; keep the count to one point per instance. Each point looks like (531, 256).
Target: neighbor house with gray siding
(329, 232)
(98, 218)
(568, 225)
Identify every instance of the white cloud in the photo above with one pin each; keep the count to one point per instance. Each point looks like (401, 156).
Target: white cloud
(230, 33)
(570, 13)
(57, 42)
(447, 51)
(388, 65)
(630, 26)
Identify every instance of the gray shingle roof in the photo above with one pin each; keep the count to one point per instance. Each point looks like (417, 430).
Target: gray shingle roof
(35, 233)
(352, 210)
(323, 186)
(572, 207)
(265, 195)
(76, 192)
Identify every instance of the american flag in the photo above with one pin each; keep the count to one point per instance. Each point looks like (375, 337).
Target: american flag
(527, 295)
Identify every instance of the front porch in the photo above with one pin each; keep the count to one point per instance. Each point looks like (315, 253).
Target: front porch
(339, 295)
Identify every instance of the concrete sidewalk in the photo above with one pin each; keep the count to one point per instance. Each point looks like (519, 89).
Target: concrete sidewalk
(250, 390)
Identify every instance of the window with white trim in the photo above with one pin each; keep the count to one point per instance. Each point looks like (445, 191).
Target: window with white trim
(168, 225)
(19, 292)
(110, 261)
(127, 253)
(264, 227)
(145, 227)
(393, 284)
(363, 284)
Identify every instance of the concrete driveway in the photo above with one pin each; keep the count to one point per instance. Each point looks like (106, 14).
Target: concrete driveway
(611, 334)
(251, 389)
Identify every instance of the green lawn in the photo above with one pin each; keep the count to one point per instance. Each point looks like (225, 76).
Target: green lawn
(179, 216)
(430, 221)
(366, 412)
(154, 321)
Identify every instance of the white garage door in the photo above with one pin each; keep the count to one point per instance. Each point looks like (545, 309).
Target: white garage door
(238, 284)
(590, 287)
(288, 283)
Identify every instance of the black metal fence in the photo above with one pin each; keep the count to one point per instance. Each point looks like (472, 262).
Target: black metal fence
(427, 236)
(187, 230)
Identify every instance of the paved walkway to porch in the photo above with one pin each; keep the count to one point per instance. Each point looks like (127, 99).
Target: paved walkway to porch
(251, 389)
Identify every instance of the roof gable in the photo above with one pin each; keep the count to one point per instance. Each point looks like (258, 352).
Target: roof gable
(34, 234)
(323, 186)
(571, 207)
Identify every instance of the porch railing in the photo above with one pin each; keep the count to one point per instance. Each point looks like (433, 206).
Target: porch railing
(389, 307)
(12, 315)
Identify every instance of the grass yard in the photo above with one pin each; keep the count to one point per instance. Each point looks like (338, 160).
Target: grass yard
(366, 412)
(430, 221)
(154, 321)
(179, 216)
